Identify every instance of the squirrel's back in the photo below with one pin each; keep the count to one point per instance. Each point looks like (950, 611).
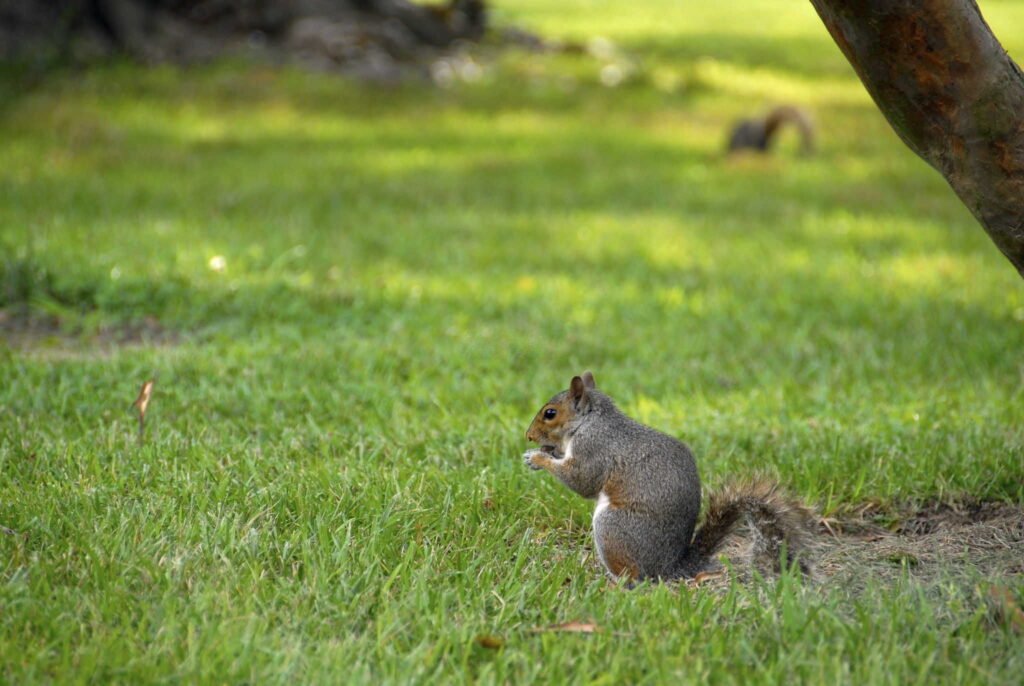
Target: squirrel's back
(662, 463)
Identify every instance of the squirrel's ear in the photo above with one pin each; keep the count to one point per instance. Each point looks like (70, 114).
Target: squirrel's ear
(577, 391)
(588, 380)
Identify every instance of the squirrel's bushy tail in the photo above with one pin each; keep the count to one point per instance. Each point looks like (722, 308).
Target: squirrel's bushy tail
(775, 519)
(799, 118)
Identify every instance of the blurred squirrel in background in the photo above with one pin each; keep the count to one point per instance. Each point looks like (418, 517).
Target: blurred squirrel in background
(757, 134)
(648, 492)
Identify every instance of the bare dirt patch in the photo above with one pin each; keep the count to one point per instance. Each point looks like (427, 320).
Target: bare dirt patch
(928, 544)
(48, 336)
(969, 548)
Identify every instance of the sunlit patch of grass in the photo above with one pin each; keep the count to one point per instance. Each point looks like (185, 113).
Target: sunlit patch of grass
(936, 272)
(774, 85)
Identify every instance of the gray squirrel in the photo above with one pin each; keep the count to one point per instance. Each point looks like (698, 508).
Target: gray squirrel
(648, 492)
(757, 134)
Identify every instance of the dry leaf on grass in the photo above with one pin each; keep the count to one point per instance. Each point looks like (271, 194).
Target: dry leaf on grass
(489, 642)
(827, 523)
(571, 627)
(703, 577)
(141, 403)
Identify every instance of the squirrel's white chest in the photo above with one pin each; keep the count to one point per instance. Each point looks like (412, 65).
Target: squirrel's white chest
(602, 505)
(566, 453)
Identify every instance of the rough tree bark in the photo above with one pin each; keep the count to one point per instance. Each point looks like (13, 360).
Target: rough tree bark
(951, 92)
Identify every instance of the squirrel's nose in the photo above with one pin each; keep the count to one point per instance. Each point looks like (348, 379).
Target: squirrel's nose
(529, 437)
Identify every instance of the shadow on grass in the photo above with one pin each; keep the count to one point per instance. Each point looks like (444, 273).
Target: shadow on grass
(470, 187)
(615, 171)
(544, 227)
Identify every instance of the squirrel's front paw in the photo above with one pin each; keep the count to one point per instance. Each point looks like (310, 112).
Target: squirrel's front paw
(530, 455)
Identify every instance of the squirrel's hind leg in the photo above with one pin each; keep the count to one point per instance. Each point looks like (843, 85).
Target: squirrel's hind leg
(633, 547)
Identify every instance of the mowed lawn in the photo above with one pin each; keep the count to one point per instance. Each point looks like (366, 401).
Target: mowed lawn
(353, 299)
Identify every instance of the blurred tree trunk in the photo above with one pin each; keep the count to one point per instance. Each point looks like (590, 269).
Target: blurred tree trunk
(951, 92)
(370, 37)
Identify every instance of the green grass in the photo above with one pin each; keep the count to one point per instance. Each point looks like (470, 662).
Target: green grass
(331, 489)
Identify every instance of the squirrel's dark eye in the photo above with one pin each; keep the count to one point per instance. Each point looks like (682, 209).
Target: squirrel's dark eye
(550, 413)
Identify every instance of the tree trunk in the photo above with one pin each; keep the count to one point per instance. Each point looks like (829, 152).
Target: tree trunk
(952, 94)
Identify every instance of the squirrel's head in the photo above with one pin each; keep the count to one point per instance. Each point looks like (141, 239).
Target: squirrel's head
(559, 416)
